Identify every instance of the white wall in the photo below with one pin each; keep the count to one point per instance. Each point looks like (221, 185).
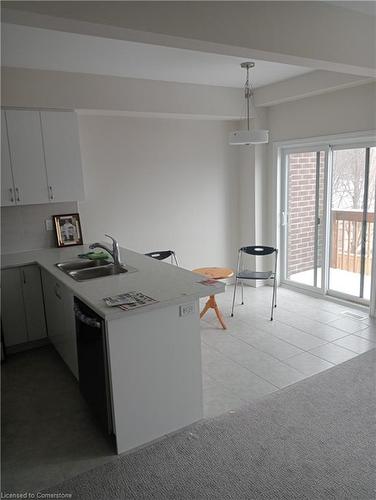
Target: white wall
(159, 183)
(23, 228)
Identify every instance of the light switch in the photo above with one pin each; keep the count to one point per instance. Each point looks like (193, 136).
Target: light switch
(49, 225)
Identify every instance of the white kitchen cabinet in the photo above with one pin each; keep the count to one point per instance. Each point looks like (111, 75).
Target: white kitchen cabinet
(62, 155)
(22, 307)
(53, 307)
(33, 302)
(41, 158)
(27, 157)
(58, 301)
(12, 308)
(7, 185)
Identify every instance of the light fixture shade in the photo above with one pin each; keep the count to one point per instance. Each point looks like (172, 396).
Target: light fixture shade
(244, 137)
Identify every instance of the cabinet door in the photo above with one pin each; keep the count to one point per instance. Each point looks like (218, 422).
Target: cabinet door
(61, 326)
(33, 302)
(68, 341)
(63, 155)
(53, 307)
(7, 187)
(12, 308)
(27, 157)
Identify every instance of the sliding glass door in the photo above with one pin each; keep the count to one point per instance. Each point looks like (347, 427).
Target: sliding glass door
(352, 215)
(303, 216)
(327, 219)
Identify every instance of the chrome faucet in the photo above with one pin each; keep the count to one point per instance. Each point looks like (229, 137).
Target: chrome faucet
(115, 252)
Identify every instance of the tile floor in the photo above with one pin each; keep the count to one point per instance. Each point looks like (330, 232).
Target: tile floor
(255, 356)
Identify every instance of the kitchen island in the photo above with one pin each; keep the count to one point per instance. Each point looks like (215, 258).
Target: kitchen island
(153, 353)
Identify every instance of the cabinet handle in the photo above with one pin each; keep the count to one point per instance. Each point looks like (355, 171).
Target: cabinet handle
(11, 195)
(24, 276)
(51, 193)
(17, 194)
(56, 292)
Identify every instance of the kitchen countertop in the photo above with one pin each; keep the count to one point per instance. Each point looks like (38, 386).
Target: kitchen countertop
(163, 282)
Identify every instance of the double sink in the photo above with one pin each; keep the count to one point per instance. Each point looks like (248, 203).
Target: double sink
(82, 270)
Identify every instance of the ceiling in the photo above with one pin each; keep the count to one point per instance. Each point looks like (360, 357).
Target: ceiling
(61, 51)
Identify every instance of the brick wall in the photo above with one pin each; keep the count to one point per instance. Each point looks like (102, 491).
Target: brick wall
(301, 211)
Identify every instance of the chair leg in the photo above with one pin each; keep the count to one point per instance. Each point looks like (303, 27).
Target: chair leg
(273, 300)
(276, 289)
(233, 298)
(242, 292)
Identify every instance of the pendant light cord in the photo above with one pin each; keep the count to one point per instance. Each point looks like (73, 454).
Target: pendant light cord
(248, 94)
(246, 91)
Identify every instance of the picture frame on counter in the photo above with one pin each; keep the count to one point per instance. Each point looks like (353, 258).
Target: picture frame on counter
(67, 229)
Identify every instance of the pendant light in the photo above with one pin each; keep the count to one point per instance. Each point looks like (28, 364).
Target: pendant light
(250, 135)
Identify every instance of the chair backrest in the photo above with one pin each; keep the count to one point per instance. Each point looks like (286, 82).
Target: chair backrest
(258, 250)
(162, 255)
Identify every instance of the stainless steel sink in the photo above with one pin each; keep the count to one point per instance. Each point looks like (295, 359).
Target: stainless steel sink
(97, 272)
(76, 265)
(82, 270)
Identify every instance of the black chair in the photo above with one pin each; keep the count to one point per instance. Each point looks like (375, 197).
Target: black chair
(164, 254)
(244, 274)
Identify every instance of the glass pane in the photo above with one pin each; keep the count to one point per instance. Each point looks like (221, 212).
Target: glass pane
(304, 236)
(370, 224)
(346, 220)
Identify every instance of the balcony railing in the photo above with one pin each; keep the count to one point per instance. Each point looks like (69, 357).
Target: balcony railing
(347, 240)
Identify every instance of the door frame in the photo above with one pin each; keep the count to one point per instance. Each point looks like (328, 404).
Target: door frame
(352, 139)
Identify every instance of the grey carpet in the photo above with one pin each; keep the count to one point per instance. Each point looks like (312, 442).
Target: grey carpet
(313, 440)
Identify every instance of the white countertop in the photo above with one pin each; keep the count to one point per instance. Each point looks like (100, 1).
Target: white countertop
(164, 282)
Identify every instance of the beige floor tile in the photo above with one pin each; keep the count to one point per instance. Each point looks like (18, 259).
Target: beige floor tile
(348, 325)
(354, 343)
(308, 363)
(368, 334)
(333, 353)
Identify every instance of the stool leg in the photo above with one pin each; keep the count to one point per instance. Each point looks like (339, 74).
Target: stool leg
(242, 292)
(208, 305)
(219, 316)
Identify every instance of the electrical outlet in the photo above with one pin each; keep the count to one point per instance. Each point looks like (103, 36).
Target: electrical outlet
(186, 309)
(49, 225)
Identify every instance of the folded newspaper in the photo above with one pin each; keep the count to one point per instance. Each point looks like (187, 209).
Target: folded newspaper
(130, 300)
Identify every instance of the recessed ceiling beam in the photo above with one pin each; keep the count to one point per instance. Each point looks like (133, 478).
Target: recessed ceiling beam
(311, 34)
(63, 90)
(299, 87)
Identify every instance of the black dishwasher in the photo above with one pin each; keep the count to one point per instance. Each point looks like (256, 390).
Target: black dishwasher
(93, 363)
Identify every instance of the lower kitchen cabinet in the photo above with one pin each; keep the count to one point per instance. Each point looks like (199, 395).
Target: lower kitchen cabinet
(22, 311)
(58, 301)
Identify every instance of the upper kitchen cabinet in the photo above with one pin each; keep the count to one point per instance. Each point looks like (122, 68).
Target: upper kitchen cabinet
(27, 157)
(62, 155)
(7, 185)
(41, 159)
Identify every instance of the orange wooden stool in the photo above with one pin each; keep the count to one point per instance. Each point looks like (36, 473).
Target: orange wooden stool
(215, 273)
